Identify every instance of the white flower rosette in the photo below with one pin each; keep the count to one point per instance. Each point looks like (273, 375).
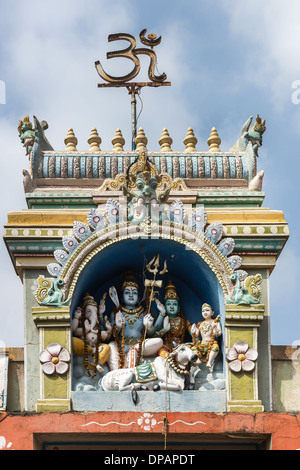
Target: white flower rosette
(55, 360)
(241, 357)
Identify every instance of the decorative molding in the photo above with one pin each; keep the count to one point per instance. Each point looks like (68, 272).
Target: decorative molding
(146, 421)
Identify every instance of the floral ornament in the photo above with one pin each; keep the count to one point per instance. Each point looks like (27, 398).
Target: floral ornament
(3, 444)
(55, 359)
(241, 357)
(147, 421)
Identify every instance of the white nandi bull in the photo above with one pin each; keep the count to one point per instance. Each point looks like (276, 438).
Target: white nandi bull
(162, 374)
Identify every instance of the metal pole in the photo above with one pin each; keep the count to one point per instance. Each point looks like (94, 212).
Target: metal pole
(133, 118)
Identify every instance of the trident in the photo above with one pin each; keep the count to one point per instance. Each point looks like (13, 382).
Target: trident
(155, 262)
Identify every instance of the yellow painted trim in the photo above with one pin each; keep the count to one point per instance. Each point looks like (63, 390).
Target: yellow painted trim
(65, 218)
(49, 218)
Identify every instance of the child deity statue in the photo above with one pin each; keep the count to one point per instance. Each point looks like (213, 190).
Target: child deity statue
(204, 336)
(133, 329)
(178, 324)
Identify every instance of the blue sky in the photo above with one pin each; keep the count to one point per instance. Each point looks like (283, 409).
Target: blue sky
(227, 60)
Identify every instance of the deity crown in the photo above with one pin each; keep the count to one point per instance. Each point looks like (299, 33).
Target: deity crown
(88, 300)
(171, 293)
(207, 305)
(130, 281)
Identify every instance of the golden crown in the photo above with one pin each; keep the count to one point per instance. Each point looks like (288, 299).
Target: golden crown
(88, 300)
(170, 292)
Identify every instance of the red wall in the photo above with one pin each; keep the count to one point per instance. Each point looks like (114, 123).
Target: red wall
(16, 431)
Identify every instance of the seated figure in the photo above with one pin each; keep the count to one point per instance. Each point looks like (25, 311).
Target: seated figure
(178, 324)
(133, 329)
(204, 336)
(88, 336)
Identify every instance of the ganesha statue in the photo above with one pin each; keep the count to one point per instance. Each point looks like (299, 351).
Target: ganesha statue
(90, 334)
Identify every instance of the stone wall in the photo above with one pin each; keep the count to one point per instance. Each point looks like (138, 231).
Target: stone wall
(286, 378)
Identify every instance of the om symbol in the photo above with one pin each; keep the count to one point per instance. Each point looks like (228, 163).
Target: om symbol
(131, 52)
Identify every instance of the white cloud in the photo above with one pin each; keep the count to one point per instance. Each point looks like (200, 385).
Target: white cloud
(270, 33)
(48, 57)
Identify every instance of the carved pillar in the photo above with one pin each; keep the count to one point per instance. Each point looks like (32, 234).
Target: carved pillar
(242, 323)
(55, 384)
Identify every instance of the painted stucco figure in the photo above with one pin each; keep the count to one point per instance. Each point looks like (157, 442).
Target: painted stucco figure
(178, 324)
(241, 295)
(250, 133)
(133, 329)
(49, 293)
(163, 374)
(205, 335)
(27, 134)
(146, 203)
(255, 134)
(89, 334)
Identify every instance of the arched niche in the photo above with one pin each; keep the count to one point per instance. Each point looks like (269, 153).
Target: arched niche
(194, 280)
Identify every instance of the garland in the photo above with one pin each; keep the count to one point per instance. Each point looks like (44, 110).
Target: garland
(120, 344)
(168, 336)
(204, 348)
(95, 356)
(174, 364)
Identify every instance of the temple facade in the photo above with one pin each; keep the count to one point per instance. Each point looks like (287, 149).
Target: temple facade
(146, 299)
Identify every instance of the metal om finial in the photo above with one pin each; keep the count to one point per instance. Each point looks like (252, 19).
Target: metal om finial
(132, 52)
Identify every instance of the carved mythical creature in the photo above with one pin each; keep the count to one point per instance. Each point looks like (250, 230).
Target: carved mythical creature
(145, 203)
(250, 134)
(49, 292)
(241, 295)
(40, 138)
(255, 134)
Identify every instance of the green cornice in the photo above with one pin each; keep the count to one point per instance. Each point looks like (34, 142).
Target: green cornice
(44, 241)
(80, 200)
(233, 198)
(62, 200)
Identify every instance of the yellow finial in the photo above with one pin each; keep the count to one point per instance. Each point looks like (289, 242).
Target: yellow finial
(165, 141)
(190, 141)
(214, 141)
(118, 141)
(94, 141)
(141, 139)
(71, 141)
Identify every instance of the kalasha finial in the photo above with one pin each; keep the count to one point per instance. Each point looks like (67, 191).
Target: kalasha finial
(94, 141)
(214, 141)
(141, 139)
(71, 141)
(190, 141)
(118, 141)
(165, 141)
